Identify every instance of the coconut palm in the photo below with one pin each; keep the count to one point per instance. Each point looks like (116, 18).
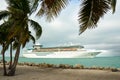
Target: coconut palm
(89, 14)
(17, 13)
(26, 37)
(4, 43)
(4, 28)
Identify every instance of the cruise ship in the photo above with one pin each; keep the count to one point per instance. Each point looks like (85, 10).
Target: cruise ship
(71, 51)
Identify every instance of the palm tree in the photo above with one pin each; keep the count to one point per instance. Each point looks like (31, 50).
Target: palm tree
(4, 32)
(4, 43)
(89, 14)
(18, 12)
(20, 28)
(18, 42)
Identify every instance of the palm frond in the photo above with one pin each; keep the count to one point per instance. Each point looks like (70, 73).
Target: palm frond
(91, 12)
(113, 5)
(13, 3)
(15, 30)
(36, 27)
(27, 40)
(26, 37)
(32, 38)
(19, 4)
(15, 44)
(25, 6)
(2, 37)
(51, 8)
(4, 14)
(33, 4)
(4, 31)
(4, 27)
(16, 13)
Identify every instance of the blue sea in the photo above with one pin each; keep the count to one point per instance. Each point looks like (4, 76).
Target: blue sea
(113, 62)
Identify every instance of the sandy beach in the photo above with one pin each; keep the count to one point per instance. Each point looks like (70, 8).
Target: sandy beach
(37, 73)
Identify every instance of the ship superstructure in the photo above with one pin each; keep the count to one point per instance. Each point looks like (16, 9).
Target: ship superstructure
(71, 51)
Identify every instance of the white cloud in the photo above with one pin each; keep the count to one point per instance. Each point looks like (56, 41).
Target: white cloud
(3, 5)
(65, 29)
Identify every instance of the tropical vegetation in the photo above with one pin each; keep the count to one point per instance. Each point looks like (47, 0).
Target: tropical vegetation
(15, 28)
(89, 14)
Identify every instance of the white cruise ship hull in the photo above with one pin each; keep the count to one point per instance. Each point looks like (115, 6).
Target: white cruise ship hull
(61, 54)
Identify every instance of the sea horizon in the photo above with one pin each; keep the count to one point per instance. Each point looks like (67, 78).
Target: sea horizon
(111, 61)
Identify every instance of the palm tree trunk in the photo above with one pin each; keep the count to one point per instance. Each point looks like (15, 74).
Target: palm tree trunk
(3, 58)
(10, 65)
(13, 68)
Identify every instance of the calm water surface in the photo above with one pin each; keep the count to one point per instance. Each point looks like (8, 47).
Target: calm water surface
(88, 62)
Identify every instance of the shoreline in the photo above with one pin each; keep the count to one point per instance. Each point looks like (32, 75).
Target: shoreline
(64, 66)
(34, 72)
(87, 62)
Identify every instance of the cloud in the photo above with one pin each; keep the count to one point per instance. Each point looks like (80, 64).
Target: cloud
(65, 29)
(3, 5)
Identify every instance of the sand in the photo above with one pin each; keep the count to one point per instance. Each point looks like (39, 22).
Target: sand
(37, 73)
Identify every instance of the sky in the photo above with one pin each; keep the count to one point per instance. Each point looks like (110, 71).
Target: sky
(65, 30)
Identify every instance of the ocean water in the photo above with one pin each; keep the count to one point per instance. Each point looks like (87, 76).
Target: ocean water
(113, 62)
